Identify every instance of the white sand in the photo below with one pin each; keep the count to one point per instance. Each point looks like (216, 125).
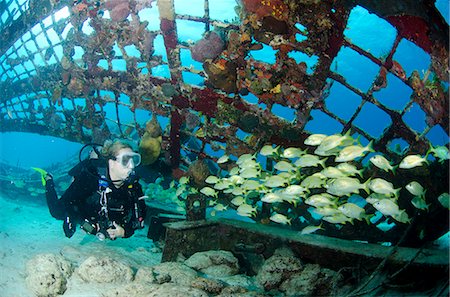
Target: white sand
(27, 229)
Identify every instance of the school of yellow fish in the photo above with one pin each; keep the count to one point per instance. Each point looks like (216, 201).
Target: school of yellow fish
(327, 189)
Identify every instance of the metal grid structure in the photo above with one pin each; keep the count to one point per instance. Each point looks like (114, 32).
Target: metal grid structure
(58, 73)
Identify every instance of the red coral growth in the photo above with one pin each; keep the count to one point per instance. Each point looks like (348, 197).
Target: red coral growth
(119, 9)
(413, 28)
(209, 47)
(262, 8)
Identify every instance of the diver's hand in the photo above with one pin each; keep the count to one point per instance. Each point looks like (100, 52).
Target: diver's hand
(116, 232)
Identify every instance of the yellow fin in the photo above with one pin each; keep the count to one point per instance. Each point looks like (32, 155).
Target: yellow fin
(43, 174)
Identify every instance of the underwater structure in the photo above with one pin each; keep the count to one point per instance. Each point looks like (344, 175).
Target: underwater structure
(88, 71)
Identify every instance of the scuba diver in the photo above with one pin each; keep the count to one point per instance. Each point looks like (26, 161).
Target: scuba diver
(109, 204)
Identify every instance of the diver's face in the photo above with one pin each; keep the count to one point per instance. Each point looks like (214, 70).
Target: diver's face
(125, 162)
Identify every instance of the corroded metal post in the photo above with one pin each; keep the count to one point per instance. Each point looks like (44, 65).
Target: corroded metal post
(195, 207)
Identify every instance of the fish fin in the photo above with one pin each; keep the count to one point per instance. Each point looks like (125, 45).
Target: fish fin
(429, 151)
(43, 174)
(366, 185)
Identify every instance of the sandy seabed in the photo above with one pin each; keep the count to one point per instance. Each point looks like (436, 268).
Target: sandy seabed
(27, 229)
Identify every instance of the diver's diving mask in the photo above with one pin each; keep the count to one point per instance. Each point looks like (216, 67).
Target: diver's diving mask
(129, 159)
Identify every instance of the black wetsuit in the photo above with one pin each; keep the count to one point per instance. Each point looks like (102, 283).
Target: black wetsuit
(82, 203)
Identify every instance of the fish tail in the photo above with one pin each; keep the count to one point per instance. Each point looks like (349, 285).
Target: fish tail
(429, 151)
(397, 192)
(370, 147)
(365, 186)
(43, 174)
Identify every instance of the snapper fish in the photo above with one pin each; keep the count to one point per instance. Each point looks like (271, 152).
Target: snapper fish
(440, 152)
(412, 161)
(333, 141)
(416, 189)
(314, 139)
(275, 181)
(321, 200)
(419, 203)
(354, 211)
(349, 169)
(234, 171)
(295, 190)
(374, 197)
(223, 159)
(272, 198)
(332, 172)
(280, 218)
(208, 191)
(311, 229)
(387, 207)
(326, 211)
(339, 218)
(308, 160)
(246, 210)
(245, 157)
(381, 186)
(212, 179)
(284, 166)
(350, 153)
(249, 173)
(313, 182)
(293, 152)
(382, 163)
(268, 150)
(238, 200)
(345, 186)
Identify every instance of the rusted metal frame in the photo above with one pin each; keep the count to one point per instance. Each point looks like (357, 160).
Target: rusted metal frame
(38, 10)
(170, 36)
(206, 16)
(387, 63)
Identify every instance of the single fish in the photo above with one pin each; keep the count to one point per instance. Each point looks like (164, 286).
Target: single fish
(245, 157)
(354, 211)
(251, 185)
(280, 218)
(311, 229)
(381, 186)
(268, 150)
(419, 203)
(310, 161)
(374, 197)
(402, 217)
(212, 179)
(220, 207)
(345, 186)
(284, 166)
(246, 210)
(416, 189)
(326, 211)
(412, 161)
(292, 152)
(275, 181)
(238, 200)
(209, 192)
(338, 219)
(440, 152)
(353, 152)
(314, 139)
(249, 173)
(321, 200)
(223, 159)
(382, 163)
(349, 169)
(272, 198)
(295, 190)
(333, 141)
(184, 180)
(444, 200)
(332, 172)
(387, 207)
(313, 182)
